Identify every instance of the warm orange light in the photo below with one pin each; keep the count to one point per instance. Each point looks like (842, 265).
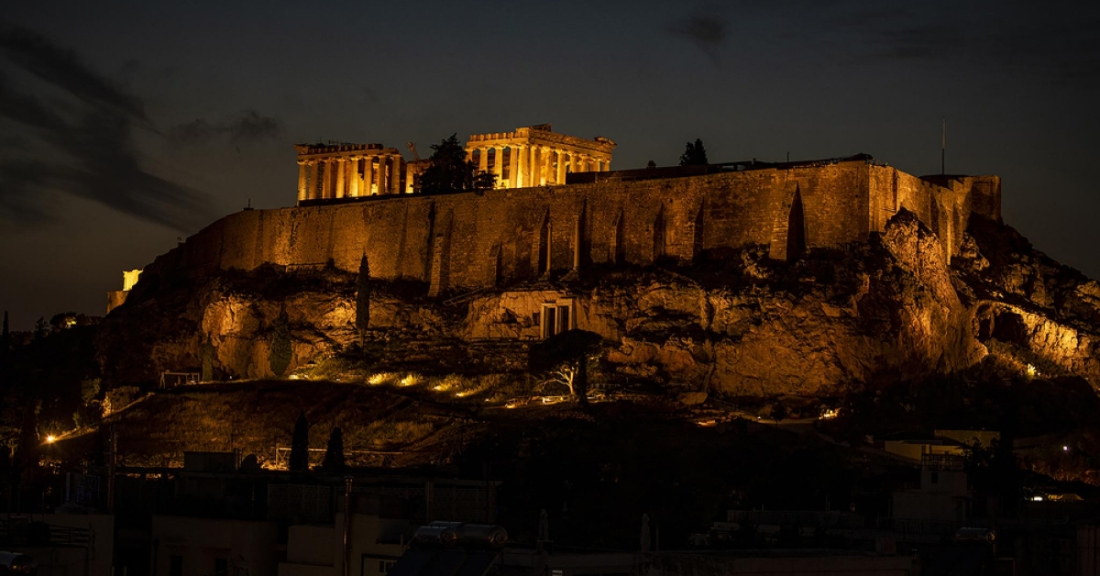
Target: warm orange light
(50, 439)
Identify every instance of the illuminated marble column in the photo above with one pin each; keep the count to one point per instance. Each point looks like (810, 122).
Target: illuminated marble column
(520, 166)
(351, 170)
(314, 175)
(483, 159)
(513, 166)
(561, 167)
(368, 177)
(301, 180)
(607, 165)
(498, 166)
(380, 175)
(326, 186)
(353, 174)
(533, 166)
(341, 170)
(395, 174)
(523, 178)
(572, 163)
(544, 165)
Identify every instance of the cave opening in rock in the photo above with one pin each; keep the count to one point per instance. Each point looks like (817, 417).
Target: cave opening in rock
(1009, 327)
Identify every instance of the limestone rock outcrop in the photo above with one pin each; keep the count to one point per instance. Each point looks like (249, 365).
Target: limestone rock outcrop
(735, 324)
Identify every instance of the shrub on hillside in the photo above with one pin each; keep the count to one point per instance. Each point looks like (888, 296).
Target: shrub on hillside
(119, 398)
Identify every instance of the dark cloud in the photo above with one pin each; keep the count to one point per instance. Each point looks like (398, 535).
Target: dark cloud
(252, 127)
(92, 152)
(21, 185)
(1003, 36)
(707, 31)
(247, 127)
(27, 109)
(922, 43)
(193, 133)
(36, 54)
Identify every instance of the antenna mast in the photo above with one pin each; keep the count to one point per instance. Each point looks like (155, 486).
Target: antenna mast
(943, 148)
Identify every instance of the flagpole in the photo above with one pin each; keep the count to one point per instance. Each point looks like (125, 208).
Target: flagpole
(943, 148)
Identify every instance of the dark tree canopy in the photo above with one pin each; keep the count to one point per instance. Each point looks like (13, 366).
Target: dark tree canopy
(334, 452)
(5, 345)
(694, 154)
(567, 346)
(299, 445)
(27, 448)
(569, 353)
(449, 170)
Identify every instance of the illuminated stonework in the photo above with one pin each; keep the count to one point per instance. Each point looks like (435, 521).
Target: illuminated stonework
(117, 297)
(525, 157)
(129, 278)
(328, 172)
(536, 156)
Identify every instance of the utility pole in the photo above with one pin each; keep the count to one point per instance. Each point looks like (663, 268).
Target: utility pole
(347, 524)
(111, 463)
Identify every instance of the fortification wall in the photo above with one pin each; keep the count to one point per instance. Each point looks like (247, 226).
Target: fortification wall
(482, 239)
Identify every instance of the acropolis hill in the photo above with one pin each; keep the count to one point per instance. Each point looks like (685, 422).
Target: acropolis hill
(744, 278)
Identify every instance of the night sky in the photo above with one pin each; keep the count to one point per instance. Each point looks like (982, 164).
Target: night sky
(124, 126)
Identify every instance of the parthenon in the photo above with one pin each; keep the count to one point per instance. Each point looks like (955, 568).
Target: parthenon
(348, 171)
(536, 156)
(525, 157)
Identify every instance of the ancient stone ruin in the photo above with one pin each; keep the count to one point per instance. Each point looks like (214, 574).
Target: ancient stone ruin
(833, 271)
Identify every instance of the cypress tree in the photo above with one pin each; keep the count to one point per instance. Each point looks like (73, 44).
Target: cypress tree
(207, 357)
(694, 154)
(334, 452)
(299, 445)
(362, 300)
(279, 358)
(450, 171)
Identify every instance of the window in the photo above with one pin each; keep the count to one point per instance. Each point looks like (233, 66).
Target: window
(375, 565)
(175, 565)
(555, 318)
(549, 321)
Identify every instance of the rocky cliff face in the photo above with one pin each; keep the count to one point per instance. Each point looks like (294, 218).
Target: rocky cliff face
(736, 324)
